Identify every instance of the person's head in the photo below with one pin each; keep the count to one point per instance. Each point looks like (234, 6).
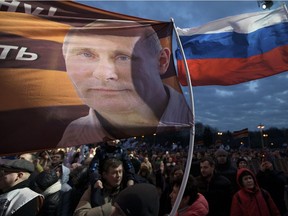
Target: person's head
(113, 142)
(221, 156)
(190, 193)
(144, 171)
(112, 172)
(177, 172)
(242, 163)
(57, 157)
(267, 165)
(246, 179)
(140, 199)
(267, 161)
(146, 160)
(200, 155)
(46, 179)
(207, 167)
(44, 155)
(27, 156)
(115, 68)
(79, 176)
(13, 172)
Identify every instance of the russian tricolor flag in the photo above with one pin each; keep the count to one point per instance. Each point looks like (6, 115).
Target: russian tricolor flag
(235, 49)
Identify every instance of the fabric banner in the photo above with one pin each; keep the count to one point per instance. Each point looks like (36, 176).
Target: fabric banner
(235, 49)
(72, 74)
(241, 133)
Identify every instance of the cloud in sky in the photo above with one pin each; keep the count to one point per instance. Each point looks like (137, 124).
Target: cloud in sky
(223, 107)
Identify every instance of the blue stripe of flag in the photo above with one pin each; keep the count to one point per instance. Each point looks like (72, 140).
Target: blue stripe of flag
(233, 44)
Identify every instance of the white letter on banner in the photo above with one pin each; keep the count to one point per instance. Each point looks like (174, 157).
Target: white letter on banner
(52, 11)
(28, 9)
(6, 50)
(29, 56)
(38, 10)
(12, 6)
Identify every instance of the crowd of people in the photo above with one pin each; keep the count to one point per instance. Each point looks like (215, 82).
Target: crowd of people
(109, 179)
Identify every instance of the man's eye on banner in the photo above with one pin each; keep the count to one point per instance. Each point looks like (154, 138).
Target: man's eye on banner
(116, 69)
(67, 81)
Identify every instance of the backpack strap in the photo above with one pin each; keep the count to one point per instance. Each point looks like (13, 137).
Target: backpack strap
(238, 198)
(266, 197)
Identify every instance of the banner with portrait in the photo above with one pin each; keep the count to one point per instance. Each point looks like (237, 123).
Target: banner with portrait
(71, 74)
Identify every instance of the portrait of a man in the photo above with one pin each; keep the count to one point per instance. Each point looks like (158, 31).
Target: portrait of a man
(116, 70)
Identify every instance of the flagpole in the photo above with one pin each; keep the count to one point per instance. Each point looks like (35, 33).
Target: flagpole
(285, 8)
(192, 130)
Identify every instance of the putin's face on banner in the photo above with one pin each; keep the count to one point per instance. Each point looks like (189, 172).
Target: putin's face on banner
(118, 74)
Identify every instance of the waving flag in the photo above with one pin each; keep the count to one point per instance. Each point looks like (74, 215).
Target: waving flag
(241, 133)
(40, 102)
(235, 49)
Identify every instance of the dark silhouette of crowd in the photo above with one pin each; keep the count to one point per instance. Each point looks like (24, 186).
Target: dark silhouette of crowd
(113, 179)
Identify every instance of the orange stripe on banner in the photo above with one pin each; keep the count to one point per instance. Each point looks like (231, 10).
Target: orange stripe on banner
(173, 82)
(32, 27)
(27, 88)
(231, 71)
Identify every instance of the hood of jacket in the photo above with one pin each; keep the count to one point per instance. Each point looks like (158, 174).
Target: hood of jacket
(243, 172)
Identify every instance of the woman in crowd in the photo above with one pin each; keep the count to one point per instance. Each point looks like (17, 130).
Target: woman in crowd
(251, 199)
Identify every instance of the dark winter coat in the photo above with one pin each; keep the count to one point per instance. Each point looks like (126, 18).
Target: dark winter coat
(218, 193)
(274, 182)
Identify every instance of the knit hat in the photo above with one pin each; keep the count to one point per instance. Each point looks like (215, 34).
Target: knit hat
(241, 159)
(140, 199)
(18, 165)
(221, 152)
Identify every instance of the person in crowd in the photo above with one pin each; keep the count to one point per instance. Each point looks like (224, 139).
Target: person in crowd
(110, 149)
(251, 199)
(31, 157)
(48, 184)
(274, 182)
(216, 188)
(165, 199)
(225, 168)
(147, 164)
(160, 177)
(145, 176)
(44, 159)
(16, 197)
(192, 203)
(62, 171)
(137, 200)
(112, 176)
(79, 181)
(117, 72)
(241, 163)
(135, 161)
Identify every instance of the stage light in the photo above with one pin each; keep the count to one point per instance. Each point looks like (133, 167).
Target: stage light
(265, 4)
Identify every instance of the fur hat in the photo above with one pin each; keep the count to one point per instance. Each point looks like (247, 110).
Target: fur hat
(139, 199)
